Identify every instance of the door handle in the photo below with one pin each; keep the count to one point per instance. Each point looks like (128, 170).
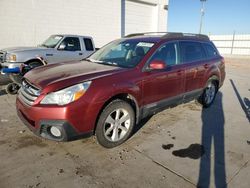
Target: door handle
(179, 72)
(80, 53)
(49, 54)
(206, 66)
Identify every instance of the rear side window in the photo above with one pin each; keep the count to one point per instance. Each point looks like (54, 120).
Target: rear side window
(166, 53)
(88, 44)
(210, 49)
(191, 51)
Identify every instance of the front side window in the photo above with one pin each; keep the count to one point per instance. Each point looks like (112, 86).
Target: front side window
(191, 51)
(52, 41)
(166, 53)
(70, 44)
(123, 53)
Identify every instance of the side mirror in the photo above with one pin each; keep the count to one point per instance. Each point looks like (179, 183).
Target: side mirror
(157, 65)
(62, 46)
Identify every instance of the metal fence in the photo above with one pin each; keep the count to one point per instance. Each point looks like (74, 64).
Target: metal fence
(235, 44)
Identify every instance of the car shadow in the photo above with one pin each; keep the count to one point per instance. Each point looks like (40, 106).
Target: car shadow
(140, 125)
(2, 92)
(212, 137)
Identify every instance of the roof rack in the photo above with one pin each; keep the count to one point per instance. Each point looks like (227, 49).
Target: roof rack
(171, 35)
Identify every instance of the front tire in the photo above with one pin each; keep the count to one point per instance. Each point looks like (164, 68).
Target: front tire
(115, 124)
(209, 93)
(12, 88)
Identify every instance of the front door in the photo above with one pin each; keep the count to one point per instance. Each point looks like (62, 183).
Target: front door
(163, 87)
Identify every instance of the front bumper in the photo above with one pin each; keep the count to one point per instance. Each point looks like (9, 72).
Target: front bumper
(10, 64)
(40, 123)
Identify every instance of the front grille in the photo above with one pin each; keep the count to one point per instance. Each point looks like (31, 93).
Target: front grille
(28, 93)
(2, 56)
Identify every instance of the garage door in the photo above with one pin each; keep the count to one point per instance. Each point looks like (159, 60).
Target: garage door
(139, 17)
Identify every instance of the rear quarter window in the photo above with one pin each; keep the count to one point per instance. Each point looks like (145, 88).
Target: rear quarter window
(210, 50)
(88, 44)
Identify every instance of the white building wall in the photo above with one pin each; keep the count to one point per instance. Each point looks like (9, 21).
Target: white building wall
(29, 22)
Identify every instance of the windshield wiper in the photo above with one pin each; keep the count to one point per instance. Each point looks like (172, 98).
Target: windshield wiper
(93, 60)
(101, 62)
(109, 63)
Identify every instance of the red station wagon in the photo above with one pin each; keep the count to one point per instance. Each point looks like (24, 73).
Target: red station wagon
(108, 93)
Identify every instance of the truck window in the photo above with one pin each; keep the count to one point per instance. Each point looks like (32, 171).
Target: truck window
(71, 44)
(88, 44)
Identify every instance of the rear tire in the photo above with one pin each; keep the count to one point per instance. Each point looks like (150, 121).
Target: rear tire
(115, 124)
(209, 93)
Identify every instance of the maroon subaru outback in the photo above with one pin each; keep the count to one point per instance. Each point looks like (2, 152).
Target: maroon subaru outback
(109, 93)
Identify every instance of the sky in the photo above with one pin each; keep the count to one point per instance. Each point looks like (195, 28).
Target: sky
(221, 16)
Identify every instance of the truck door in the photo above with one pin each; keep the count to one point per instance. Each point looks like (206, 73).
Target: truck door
(68, 50)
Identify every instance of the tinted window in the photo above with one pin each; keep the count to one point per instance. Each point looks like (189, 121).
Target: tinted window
(166, 53)
(71, 44)
(88, 44)
(191, 51)
(211, 51)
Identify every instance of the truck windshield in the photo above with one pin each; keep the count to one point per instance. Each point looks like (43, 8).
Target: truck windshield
(122, 53)
(52, 41)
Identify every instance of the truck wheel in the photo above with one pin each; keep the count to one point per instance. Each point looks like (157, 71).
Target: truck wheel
(34, 64)
(115, 124)
(209, 93)
(12, 88)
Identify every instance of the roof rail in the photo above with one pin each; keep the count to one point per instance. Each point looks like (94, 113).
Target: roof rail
(171, 35)
(174, 35)
(147, 33)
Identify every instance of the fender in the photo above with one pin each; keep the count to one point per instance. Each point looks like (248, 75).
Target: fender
(38, 58)
(213, 72)
(129, 90)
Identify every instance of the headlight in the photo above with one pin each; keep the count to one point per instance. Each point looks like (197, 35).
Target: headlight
(67, 95)
(10, 57)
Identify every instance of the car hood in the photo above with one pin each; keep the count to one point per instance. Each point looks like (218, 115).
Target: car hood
(69, 73)
(22, 49)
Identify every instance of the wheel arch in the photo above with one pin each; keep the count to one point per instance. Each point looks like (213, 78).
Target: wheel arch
(37, 59)
(125, 97)
(216, 79)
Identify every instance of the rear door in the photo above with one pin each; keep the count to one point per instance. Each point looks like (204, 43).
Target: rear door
(193, 58)
(163, 87)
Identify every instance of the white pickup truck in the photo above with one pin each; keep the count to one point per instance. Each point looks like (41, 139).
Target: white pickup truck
(57, 48)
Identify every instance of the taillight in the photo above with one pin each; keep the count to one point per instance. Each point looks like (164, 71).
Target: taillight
(222, 63)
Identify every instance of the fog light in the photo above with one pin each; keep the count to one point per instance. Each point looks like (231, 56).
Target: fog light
(55, 131)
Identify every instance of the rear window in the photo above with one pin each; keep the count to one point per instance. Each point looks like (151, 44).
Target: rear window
(88, 44)
(210, 49)
(191, 51)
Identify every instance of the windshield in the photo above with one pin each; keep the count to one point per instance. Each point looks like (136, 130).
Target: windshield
(52, 41)
(122, 53)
